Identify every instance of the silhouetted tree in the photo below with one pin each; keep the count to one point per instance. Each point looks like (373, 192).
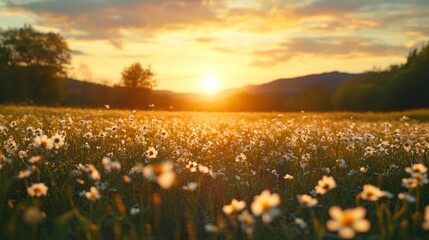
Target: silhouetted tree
(137, 77)
(138, 83)
(32, 64)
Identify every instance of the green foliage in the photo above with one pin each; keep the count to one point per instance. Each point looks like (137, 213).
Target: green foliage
(32, 65)
(400, 87)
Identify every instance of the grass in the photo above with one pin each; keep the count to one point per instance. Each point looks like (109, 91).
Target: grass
(150, 156)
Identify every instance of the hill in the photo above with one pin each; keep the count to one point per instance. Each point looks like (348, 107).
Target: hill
(289, 87)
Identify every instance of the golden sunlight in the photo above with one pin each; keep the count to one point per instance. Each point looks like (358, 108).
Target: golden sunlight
(210, 85)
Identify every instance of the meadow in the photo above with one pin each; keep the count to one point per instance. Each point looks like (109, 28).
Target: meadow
(118, 174)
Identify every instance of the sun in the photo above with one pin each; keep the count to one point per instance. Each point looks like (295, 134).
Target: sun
(210, 85)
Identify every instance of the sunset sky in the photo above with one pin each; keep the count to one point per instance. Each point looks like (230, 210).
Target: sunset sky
(238, 42)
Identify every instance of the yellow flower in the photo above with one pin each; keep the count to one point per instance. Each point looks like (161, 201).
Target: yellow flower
(93, 194)
(371, 193)
(247, 221)
(43, 141)
(348, 221)
(307, 200)
(299, 222)
(265, 204)
(288, 177)
(163, 174)
(417, 168)
(325, 184)
(37, 190)
(151, 153)
(24, 174)
(235, 206)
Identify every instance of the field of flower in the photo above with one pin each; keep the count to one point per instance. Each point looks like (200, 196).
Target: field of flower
(109, 174)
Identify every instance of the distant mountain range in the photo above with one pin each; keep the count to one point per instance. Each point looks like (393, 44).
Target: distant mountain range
(289, 87)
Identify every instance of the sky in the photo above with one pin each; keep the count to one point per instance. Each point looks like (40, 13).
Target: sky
(238, 42)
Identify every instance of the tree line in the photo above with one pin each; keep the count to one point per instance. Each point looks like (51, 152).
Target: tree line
(404, 86)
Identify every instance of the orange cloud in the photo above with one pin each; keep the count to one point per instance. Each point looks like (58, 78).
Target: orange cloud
(324, 47)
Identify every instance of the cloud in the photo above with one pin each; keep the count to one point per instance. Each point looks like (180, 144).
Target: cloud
(108, 19)
(328, 47)
(120, 21)
(205, 40)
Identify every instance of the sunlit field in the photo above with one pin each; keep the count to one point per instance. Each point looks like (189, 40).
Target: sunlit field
(109, 174)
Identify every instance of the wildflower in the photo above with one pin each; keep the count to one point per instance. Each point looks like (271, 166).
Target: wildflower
(342, 163)
(10, 146)
(348, 221)
(57, 141)
(210, 227)
(93, 194)
(416, 168)
(151, 153)
(369, 151)
(288, 177)
(192, 166)
(419, 176)
(34, 159)
(43, 141)
(247, 221)
(135, 210)
(106, 106)
(37, 190)
(371, 193)
(126, 179)
(94, 174)
(24, 174)
(266, 204)
(240, 158)
(88, 135)
(203, 169)
(163, 174)
(109, 164)
(144, 129)
(163, 133)
(235, 206)
(325, 184)
(33, 216)
(22, 154)
(425, 225)
(300, 223)
(306, 200)
(409, 182)
(363, 169)
(192, 186)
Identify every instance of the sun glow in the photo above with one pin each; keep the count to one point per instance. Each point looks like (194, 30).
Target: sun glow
(210, 85)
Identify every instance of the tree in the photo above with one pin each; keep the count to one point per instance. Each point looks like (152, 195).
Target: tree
(33, 65)
(136, 77)
(138, 83)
